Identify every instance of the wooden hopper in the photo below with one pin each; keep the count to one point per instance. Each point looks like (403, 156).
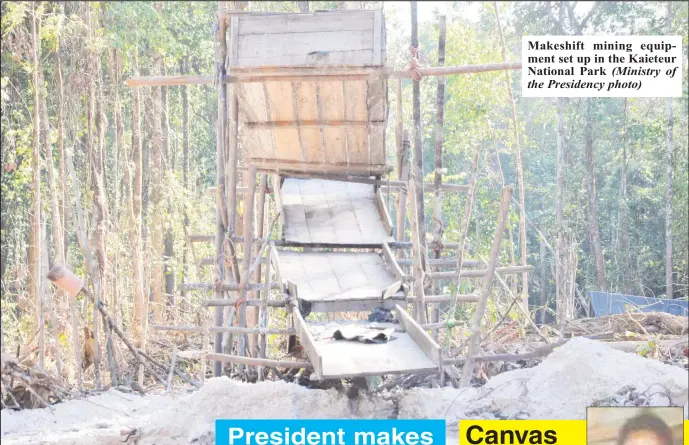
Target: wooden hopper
(331, 125)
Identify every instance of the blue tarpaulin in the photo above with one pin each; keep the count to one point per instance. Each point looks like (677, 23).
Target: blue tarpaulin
(605, 303)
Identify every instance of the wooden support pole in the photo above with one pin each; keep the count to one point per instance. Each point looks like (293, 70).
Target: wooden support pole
(248, 248)
(438, 225)
(402, 196)
(439, 119)
(417, 255)
(402, 157)
(418, 172)
(226, 287)
(206, 341)
(221, 213)
(253, 313)
(264, 319)
(486, 287)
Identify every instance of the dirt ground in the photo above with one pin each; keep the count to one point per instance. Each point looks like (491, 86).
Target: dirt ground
(579, 374)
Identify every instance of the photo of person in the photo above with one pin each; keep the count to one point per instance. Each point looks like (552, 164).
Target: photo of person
(634, 426)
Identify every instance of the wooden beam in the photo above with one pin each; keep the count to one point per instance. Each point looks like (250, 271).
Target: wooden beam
(226, 287)
(308, 342)
(445, 298)
(390, 260)
(452, 274)
(258, 361)
(233, 329)
(232, 301)
(439, 262)
(418, 334)
(320, 73)
(486, 286)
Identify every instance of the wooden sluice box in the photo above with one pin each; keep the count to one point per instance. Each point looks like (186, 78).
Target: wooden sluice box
(331, 119)
(322, 112)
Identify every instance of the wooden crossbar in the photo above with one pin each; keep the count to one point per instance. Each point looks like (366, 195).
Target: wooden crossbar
(319, 73)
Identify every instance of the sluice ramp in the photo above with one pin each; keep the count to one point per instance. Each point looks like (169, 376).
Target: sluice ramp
(320, 213)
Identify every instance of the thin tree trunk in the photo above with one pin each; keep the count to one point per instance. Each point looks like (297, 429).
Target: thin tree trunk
(623, 218)
(559, 191)
(439, 117)
(668, 191)
(438, 179)
(35, 234)
(520, 168)
(418, 157)
(594, 230)
(168, 168)
(156, 197)
(185, 165)
(66, 206)
(135, 207)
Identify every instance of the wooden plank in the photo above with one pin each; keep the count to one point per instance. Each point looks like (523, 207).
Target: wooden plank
(331, 212)
(336, 276)
(350, 59)
(331, 107)
(275, 262)
(306, 94)
(344, 359)
(306, 48)
(356, 109)
(421, 337)
(307, 23)
(279, 97)
(313, 169)
(308, 343)
(390, 259)
(377, 38)
(235, 23)
(384, 215)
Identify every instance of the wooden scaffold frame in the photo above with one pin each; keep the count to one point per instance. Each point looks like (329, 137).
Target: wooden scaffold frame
(251, 282)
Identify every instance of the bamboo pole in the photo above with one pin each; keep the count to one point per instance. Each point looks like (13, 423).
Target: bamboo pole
(221, 214)
(226, 287)
(321, 73)
(452, 274)
(237, 359)
(206, 341)
(417, 255)
(252, 312)
(486, 287)
(438, 177)
(233, 329)
(402, 196)
(418, 171)
(264, 317)
(248, 248)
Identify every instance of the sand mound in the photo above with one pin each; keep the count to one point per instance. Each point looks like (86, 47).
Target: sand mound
(571, 378)
(192, 418)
